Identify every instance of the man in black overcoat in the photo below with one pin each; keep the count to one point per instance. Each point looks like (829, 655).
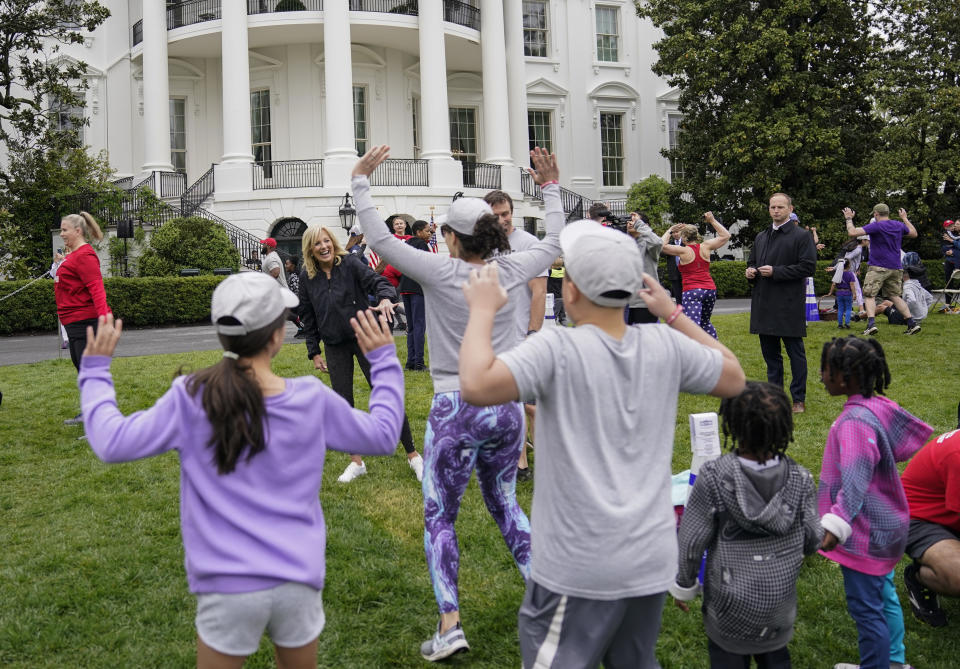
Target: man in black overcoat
(782, 257)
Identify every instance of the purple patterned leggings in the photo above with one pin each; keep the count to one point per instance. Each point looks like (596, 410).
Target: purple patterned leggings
(698, 305)
(460, 438)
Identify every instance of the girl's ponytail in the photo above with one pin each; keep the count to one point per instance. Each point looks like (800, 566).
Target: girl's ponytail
(90, 227)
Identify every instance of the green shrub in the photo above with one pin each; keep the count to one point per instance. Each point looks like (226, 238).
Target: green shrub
(188, 242)
(139, 302)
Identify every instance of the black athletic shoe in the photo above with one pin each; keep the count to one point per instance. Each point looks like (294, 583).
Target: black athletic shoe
(923, 601)
(524, 474)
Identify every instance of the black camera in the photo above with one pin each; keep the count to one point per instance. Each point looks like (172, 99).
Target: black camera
(610, 219)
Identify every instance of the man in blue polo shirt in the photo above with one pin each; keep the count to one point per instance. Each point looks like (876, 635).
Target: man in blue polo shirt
(885, 271)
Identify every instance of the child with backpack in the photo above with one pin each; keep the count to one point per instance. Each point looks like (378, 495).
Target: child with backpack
(251, 447)
(754, 501)
(845, 283)
(863, 507)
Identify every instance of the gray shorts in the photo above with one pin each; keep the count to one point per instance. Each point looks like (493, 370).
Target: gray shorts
(564, 632)
(232, 624)
(923, 534)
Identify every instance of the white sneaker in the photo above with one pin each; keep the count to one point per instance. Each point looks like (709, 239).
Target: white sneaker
(352, 471)
(416, 464)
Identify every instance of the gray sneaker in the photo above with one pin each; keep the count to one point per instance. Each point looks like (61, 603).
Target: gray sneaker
(872, 330)
(76, 420)
(442, 646)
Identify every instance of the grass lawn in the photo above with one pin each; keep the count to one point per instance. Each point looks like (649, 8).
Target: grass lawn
(92, 563)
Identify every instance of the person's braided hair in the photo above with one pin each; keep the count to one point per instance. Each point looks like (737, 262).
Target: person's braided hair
(857, 359)
(758, 421)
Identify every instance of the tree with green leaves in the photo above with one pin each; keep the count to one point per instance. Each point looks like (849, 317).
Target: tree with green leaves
(918, 95)
(43, 142)
(775, 96)
(652, 197)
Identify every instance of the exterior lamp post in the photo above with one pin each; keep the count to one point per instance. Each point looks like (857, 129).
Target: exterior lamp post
(347, 213)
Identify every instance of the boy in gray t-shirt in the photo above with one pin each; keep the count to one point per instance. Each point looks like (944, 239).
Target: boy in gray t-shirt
(604, 545)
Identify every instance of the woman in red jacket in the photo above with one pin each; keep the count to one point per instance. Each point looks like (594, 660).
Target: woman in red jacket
(78, 286)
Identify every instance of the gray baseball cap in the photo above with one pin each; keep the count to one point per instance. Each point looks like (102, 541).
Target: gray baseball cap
(464, 213)
(253, 299)
(605, 264)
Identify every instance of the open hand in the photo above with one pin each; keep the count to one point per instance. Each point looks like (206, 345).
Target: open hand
(483, 289)
(386, 307)
(544, 166)
(848, 213)
(371, 160)
(105, 341)
(372, 331)
(903, 214)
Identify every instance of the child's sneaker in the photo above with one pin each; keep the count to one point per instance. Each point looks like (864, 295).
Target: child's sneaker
(923, 601)
(352, 471)
(442, 646)
(872, 330)
(913, 329)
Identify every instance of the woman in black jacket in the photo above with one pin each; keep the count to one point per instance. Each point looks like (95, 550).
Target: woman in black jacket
(334, 286)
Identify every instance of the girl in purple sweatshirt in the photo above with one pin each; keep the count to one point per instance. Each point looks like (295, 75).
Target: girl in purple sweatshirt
(861, 501)
(251, 447)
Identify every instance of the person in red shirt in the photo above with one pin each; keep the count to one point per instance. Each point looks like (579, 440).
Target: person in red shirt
(932, 484)
(78, 286)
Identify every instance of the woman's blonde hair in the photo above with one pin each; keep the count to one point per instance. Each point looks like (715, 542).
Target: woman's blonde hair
(86, 223)
(306, 244)
(690, 233)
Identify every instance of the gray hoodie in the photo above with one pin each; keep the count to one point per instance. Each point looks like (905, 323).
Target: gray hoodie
(756, 527)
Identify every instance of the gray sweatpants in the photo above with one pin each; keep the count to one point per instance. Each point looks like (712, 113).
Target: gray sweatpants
(564, 632)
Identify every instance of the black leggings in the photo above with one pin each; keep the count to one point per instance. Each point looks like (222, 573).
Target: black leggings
(340, 365)
(77, 338)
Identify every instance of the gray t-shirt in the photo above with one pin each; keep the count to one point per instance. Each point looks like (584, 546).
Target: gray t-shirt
(271, 261)
(441, 278)
(521, 240)
(602, 525)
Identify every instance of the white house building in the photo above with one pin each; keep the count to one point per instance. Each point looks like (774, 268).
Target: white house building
(255, 110)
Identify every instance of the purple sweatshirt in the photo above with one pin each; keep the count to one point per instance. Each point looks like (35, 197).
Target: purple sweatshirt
(861, 499)
(261, 525)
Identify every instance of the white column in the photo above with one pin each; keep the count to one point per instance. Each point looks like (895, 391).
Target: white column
(516, 82)
(341, 147)
(444, 171)
(234, 173)
(493, 59)
(156, 88)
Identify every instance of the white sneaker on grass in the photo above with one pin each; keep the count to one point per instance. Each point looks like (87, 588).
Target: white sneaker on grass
(352, 471)
(416, 464)
(442, 646)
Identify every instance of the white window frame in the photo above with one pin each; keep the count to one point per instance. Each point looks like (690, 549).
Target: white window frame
(415, 112)
(623, 149)
(545, 30)
(365, 139)
(618, 35)
(476, 133)
(550, 138)
(267, 155)
(183, 100)
(673, 133)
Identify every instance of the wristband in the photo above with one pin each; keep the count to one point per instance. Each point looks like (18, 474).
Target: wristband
(548, 183)
(676, 312)
(530, 332)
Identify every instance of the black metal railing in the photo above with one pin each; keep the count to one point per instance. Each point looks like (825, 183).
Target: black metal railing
(616, 207)
(192, 11)
(401, 172)
(408, 7)
(194, 196)
(529, 186)
(575, 206)
(172, 184)
(271, 6)
(247, 244)
(137, 32)
(481, 175)
(461, 13)
(126, 183)
(288, 174)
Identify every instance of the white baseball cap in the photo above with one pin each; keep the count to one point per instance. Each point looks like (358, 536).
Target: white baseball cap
(464, 213)
(355, 231)
(604, 263)
(254, 300)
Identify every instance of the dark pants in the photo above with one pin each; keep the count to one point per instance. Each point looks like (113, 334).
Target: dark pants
(721, 659)
(770, 348)
(640, 315)
(676, 288)
(77, 338)
(416, 329)
(340, 365)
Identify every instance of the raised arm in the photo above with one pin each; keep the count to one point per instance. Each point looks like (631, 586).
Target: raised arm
(723, 235)
(685, 253)
(419, 266)
(538, 258)
(852, 230)
(911, 231)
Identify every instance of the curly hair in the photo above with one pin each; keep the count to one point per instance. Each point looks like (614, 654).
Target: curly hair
(858, 360)
(758, 421)
(488, 236)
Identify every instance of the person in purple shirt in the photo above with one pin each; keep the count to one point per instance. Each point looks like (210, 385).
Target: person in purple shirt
(251, 447)
(885, 271)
